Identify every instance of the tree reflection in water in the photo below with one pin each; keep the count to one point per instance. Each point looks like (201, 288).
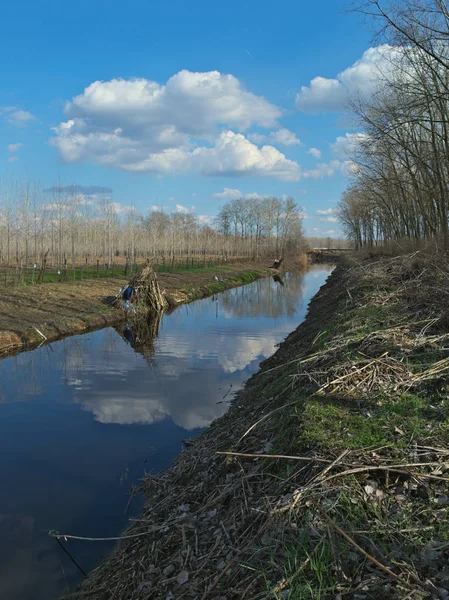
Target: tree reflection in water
(268, 301)
(141, 333)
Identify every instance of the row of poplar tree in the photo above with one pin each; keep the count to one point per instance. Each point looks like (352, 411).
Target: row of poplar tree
(73, 227)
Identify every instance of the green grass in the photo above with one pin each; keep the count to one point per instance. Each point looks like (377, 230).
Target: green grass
(13, 277)
(52, 275)
(215, 287)
(187, 268)
(306, 571)
(249, 276)
(310, 578)
(330, 424)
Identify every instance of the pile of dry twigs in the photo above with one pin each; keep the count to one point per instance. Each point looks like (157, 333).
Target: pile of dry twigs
(146, 291)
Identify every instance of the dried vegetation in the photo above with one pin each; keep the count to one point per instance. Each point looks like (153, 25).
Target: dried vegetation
(329, 476)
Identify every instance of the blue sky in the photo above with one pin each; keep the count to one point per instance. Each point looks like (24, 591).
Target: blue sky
(184, 103)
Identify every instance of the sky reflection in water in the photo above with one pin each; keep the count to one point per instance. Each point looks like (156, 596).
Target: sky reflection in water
(82, 420)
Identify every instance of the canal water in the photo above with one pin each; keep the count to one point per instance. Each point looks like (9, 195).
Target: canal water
(82, 420)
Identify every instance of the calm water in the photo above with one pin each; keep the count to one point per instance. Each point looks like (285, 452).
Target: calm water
(85, 418)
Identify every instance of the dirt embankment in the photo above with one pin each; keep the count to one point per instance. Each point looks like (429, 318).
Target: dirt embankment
(329, 475)
(32, 315)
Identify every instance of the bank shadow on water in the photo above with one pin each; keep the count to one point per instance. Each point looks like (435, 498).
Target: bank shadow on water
(83, 419)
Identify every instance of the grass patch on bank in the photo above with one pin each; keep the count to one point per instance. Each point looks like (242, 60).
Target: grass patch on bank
(308, 570)
(215, 287)
(331, 424)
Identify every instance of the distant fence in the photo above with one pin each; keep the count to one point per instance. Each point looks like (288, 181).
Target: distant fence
(36, 273)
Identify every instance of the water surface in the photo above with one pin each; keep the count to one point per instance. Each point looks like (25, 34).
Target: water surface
(83, 419)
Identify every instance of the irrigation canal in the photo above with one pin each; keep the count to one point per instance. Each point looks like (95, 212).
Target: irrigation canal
(82, 420)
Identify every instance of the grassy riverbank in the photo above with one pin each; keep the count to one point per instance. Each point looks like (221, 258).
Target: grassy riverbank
(348, 494)
(32, 315)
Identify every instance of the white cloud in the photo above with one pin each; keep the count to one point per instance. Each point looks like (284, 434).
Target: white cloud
(257, 138)
(350, 168)
(329, 219)
(206, 219)
(323, 170)
(232, 156)
(314, 152)
(317, 232)
(118, 209)
(323, 95)
(233, 194)
(70, 194)
(16, 116)
(191, 103)
(184, 210)
(327, 211)
(66, 203)
(13, 158)
(20, 117)
(330, 95)
(283, 137)
(229, 194)
(14, 147)
(345, 146)
(84, 199)
(142, 126)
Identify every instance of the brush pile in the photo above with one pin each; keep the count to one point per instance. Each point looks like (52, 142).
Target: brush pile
(329, 476)
(143, 291)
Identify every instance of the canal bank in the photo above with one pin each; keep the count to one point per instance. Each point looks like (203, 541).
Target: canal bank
(328, 477)
(33, 315)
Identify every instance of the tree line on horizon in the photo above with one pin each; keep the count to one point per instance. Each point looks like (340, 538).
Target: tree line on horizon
(73, 227)
(400, 176)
